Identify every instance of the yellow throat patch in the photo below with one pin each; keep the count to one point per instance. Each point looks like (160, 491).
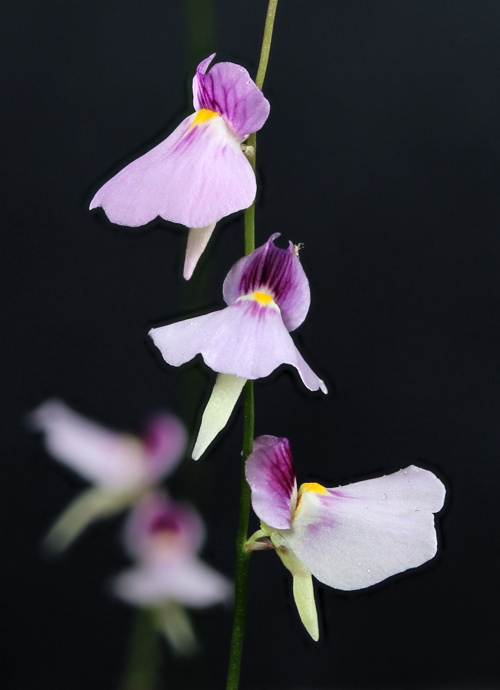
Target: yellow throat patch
(262, 298)
(313, 486)
(202, 116)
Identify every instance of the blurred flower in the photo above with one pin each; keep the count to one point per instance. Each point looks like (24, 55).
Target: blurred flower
(120, 466)
(348, 538)
(268, 296)
(199, 174)
(165, 537)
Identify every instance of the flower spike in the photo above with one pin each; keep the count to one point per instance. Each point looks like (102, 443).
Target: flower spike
(119, 466)
(199, 173)
(267, 294)
(348, 538)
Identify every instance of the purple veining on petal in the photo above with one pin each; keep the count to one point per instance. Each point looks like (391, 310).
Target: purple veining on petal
(228, 90)
(274, 270)
(271, 477)
(314, 528)
(185, 138)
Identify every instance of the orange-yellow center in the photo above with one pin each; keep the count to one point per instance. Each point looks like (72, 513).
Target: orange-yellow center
(202, 116)
(262, 298)
(313, 486)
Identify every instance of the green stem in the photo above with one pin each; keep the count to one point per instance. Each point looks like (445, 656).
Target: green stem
(266, 43)
(242, 555)
(144, 656)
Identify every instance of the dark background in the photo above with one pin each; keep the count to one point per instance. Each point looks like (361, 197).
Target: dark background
(381, 154)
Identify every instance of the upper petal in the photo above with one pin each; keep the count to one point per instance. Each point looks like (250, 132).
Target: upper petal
(195, 177)
(228, 90)
(159, 529)
(274, 270)
(165, 440)
(245, 339)
(270, 473)
(357, 535)
(106, 457)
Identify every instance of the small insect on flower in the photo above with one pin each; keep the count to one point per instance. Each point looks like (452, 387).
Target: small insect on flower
(120, 466)
(350, 537)
(199, 173)
(267, 293)
(164, 538)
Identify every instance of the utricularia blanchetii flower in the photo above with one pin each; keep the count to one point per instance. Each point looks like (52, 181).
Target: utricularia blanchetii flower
(164, 538)
(349, 537)
(121, 467)
(199, 173)
(267, 293)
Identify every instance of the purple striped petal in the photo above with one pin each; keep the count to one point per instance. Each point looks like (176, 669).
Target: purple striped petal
(246, 339)
(165, 441)
(271, 477)
(357, 535)
(159, 529)
(228, 90)
(195, 177)
(276, 271)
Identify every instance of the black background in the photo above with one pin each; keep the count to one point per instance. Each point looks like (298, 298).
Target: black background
(381, 154)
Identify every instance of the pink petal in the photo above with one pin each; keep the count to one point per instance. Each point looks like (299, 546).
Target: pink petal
(357, 535)
(245, 339)
(186, 581)
(228, 90)
(165, 441)
(195, 177)
(102, 456)
(271, 476)
(276, 271)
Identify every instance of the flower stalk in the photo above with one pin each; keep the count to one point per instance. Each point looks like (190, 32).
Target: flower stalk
(242, 554)
(144, 657)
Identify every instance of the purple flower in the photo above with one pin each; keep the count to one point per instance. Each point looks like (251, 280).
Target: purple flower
(348, 538)
(199, 174)
(165, 537)
(121, 467)
(267, 294)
